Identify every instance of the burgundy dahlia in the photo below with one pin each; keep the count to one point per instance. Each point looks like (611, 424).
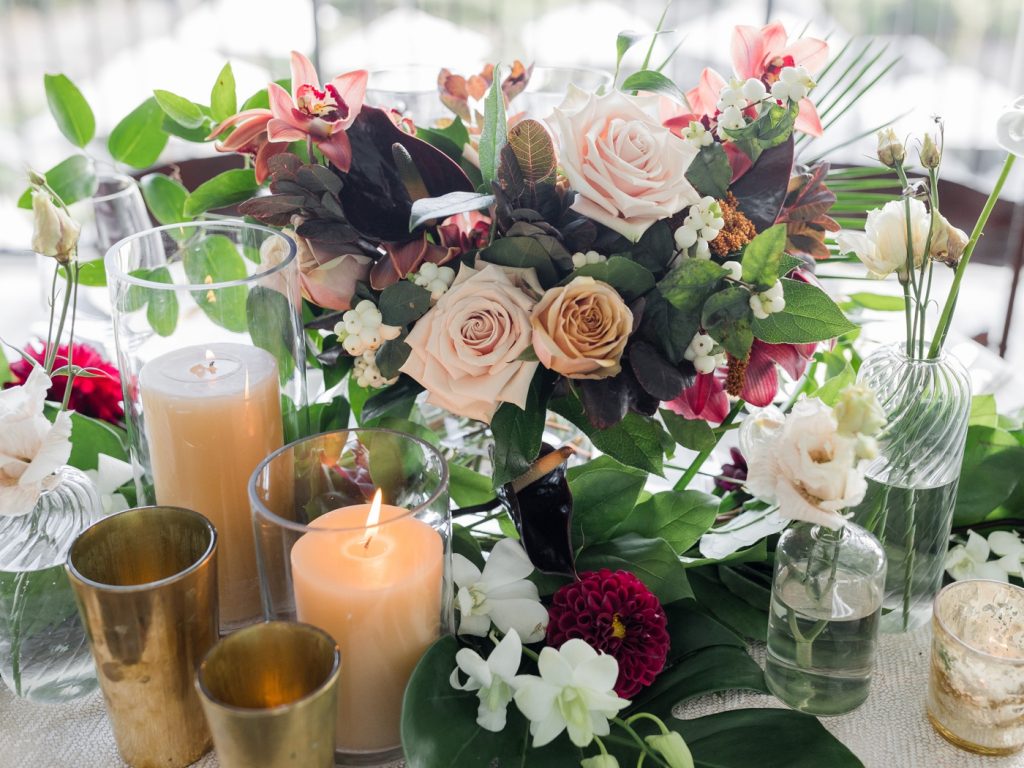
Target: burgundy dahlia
(97, 395)
(614, 613)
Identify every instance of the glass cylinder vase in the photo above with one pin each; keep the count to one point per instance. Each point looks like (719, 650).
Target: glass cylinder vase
(823, 624)
(353, 531)
(912, 484)
(44, 654)
(210, 346)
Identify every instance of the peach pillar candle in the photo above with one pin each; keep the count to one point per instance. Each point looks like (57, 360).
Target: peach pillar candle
(377, 590)
(212, 413)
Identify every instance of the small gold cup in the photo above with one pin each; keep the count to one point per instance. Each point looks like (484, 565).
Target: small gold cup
(146, 584)
(270, 692)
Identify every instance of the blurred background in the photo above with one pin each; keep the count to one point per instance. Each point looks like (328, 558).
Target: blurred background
(962, 59)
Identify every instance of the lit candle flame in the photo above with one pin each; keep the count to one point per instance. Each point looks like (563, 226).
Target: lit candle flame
(372, 518)
(209, 367)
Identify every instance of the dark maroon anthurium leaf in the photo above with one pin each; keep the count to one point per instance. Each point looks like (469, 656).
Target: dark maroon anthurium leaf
(762, 190)
(542, 513)
(374, 196)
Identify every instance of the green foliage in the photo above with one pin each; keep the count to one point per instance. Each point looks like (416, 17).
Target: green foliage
(652, 560)
(627, 277)
(179, 109)
(877, 302)
(762, 256)
(810, 315)
(518, 433)
(604, 493)
(467, 486)
(522, 252)
(694, 434)
(772, 128)
(91, 437)
(223, 101)
(839, 375)
(72, 179)
(726, 317)
(70, 109)
(403, 302)
(990, 474)
(221, 191)
(688, 285)
(139, 138)
(161, 305)
(494, 134)
(165, 197)
(710, 172)
(733, 610)
(213, 260)
(650, 80)
(636, 441)
(269, 317)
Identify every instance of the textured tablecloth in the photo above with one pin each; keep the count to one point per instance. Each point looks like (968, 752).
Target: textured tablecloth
(889, 731)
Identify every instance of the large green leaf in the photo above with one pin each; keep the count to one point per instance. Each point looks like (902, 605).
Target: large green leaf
(70, 109)
(678, 517)
(688, 285)
(604, 493)
(990, 473)
(636, 441)
(726, 317)
(810, 315)
(439, 724)
(215, 259)
(710, 172)
(649, 80)
(91, 437)
(653, 561)
(761, 257)
(730, 609)
(72, 179)
(223, 101)
(403, 302)
(467, 486)
(225, 189)
(165, 197)
(139, 138)
(494, 134)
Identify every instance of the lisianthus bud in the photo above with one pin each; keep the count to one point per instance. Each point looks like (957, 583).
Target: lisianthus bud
(858, 412)
(55, 233)
(948, 242)
(890, 148)
(672, 748)
(930, 154)
(600, 761)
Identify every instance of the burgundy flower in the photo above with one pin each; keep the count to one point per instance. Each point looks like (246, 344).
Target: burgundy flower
(97, 395)
(616, 614)
(733, 475)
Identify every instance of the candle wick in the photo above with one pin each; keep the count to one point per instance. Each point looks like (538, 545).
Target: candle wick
(201, 369)
(366, 544)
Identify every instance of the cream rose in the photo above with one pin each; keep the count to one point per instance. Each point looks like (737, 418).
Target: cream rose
(882, 247)
(580, 329)
(803, 464)
(629, 171)
(1010, 127)
(466, 349)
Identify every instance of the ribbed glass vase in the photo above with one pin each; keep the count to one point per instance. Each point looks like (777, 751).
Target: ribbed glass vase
(912, 484)
(44, 655)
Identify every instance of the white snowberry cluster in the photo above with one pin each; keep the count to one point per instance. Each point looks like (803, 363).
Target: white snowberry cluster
(734, 98)
(580, 259)
(769, 302)
(700, 353)
(735, 270)
(435, 279)
(701, 225)
(793, 84)
(697, 135)
(362, 329)
(368, 374)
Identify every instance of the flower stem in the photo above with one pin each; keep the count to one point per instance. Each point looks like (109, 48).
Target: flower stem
(701, 457)
(73, 287)
(947, 311)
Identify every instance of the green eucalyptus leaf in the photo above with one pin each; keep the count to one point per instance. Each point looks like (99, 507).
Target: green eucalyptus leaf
(72, 179)
(139, 138)
(70, 109)
(223, 101)
(165, 197)
(179, 109)
(810, 315)
(92, 273)
(221, 191)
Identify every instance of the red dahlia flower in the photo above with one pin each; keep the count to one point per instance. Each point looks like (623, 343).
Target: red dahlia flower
(97, 395)
(616, 614)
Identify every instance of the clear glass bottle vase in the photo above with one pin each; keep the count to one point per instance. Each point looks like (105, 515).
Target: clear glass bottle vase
(44, 655)
(823, 624)
(912, 484)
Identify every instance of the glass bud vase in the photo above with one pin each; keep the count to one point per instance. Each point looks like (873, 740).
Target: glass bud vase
(44, 655)
(912, 484)
(823, 625)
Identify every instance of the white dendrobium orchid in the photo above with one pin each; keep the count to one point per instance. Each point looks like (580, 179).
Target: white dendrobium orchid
(491, 679)
(1010, 127)
(600, 761)
(672, 749)
(109, 475)
(500, 594)
(971, 560)
(575, 692)
(31, 448)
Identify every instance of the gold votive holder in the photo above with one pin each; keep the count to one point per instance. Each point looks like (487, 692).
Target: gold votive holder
(146, 585)
(270, 692)
(976, 683)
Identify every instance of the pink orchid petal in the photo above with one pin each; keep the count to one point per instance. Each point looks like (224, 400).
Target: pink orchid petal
(245, 134)
(808, 52)
(791, 357)
(705, 99)
(807, 350)
(280, 130)
(773, 41)
(748, 51)
(338, 149)
(679, 123)
(704, 399)
(807, 119)
(241, 117)
(762, 381)
(281, 104)
(352, 88)
(739, 161)
(303, 73)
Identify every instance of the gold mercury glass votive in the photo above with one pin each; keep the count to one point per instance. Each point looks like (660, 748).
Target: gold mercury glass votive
(976, 684)
(270, 693)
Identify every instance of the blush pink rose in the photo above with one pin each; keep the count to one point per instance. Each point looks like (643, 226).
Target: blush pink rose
(628, 169)
(466, 349)
(580, 329)
(328, 279)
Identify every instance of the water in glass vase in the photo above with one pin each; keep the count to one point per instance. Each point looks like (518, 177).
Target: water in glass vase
(913, 525)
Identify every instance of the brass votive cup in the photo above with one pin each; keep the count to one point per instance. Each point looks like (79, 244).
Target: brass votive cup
(146, 585)
(270, 692)
(976, 682)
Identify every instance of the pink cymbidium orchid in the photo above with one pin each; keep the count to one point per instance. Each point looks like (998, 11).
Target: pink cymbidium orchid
(250, 138)
(322, 115)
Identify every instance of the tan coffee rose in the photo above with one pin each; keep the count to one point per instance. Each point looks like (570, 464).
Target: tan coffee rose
(580, 329)
(628, 170)
(466, 349)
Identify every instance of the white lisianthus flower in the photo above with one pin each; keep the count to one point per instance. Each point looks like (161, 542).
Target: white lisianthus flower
(672, 748)
(31, 448)
(882, 247)
(55, 233)
(500, 594)
(806, 466)
(575, 692)
(110, 474)
(971, 560)
(1010, 127)
(491, 679)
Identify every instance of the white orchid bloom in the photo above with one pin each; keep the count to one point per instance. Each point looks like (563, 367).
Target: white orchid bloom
(491, 679)
(575, 692)
(1010, 127)
(31, 448)
(672, 749)
(109, 475)
(500, 594)
(600, 761)
(970, 560)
